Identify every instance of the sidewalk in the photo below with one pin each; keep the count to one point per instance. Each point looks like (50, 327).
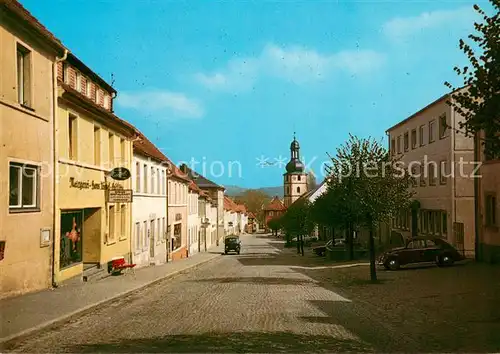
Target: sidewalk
(28, 313)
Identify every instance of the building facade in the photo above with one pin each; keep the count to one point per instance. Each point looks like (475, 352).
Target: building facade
(274, 209)
(488, 204)
(27, 97)
(295, 178)
(90, 141)
(178, 213)
(194, 222)
(441, 160)
(149, 209)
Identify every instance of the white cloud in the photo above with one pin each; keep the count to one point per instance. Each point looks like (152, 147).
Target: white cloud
(402, 28)
(157, 102)
(295, 64)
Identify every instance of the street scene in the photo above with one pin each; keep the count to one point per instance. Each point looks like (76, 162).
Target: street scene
(294, 176)
(269, 299)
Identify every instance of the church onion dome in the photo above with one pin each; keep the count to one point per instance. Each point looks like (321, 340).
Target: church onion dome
(294, 165)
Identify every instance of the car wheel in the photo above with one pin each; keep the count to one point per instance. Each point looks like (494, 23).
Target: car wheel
(445, 260)
(393, 264)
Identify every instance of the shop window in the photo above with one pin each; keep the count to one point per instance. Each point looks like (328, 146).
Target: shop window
(23, 76)
(71, 238)
(177, 240)
(23, 187)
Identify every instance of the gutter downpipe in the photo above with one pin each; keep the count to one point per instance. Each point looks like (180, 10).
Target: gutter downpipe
(476, 201)
(55, 181)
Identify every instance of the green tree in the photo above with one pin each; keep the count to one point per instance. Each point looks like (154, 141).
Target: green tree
(479, 101)
(275, 225)
(370, 187)
(253, 200)
(297, 221)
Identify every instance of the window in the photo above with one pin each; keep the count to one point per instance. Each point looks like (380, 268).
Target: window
(146, 235)
(72, 137)
(145, 188)
(399, 144)
(111, 145)
(432, 131)
(23, 76)
(298, 177)
(158, 229)
(111, 226)
(97, 146)
(298, 189)
(413, 174)
(164, 230)
(442, 126)
(123, 152)
(152, 228)
(177, 241)
(89, 89)
(78, 81)
(491, 210)
(406, 142)
(425, 227)
(432, 174)
(152, 180)
(138, 242)
(158, 180)
(138, 177)
(84, 86)
(23, 186)
(444, 223)
(432, 222)
(422, 174)
(414, 139)
(443, 173)
(163, 182)
(287, 190)
(421, 135)
(393, 146)
(430, 243)
(123, 220)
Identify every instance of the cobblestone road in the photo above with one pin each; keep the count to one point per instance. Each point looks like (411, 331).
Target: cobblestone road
(245, 303)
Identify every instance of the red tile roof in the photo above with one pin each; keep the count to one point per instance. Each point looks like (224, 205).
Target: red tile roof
(144, 146)
(194, 188)
(275, 205)
(251, 215)
(177, 174)
(16, 7)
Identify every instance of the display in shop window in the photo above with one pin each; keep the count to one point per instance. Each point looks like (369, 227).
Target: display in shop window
(71, 238)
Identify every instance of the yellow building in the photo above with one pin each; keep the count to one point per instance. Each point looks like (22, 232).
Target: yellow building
(90, 141)
(27, 63)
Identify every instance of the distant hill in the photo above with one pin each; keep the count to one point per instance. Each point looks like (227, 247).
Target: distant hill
(234, 191)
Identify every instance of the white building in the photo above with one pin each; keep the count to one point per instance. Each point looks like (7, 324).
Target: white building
(194, 222)
(149, 207)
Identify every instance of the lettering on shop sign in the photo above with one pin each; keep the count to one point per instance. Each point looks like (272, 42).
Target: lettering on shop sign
(91, 184)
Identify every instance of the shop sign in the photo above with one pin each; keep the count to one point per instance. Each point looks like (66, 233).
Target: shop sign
(119, 196)
(91, 184)
(120, 173)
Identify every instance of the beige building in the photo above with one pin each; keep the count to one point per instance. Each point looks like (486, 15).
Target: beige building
(177, 199)
(488, 206)
(27, 90)
(441, 160)
(90, 140)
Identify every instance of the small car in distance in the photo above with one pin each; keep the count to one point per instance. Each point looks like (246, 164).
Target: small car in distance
(420, 250)
(232, 244)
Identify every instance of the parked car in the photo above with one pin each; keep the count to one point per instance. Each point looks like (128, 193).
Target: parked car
(232, 244)
(420, 250)
(329, 246)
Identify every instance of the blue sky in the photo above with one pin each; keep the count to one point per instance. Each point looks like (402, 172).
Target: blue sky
(231, 81)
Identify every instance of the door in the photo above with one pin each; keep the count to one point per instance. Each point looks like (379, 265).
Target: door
(416, 250)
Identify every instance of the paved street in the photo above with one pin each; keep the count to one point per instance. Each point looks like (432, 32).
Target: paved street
(272, 300)
(235, 303)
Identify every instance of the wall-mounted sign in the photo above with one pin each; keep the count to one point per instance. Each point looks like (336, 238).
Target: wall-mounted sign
(120, 173)
(44, 237)
(91, 184)
(178, 216)
(119, 196)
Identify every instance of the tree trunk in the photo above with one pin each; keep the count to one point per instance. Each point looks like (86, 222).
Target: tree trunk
(298, 244)
(350, 241)
(373, 269)
(302, 244)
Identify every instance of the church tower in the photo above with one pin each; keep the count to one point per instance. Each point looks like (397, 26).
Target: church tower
(295, 179)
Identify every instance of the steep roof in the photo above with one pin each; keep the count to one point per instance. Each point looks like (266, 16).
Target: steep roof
(200, 180)
(194, 188)
(275, 205)
(251, 215)
(145, 147)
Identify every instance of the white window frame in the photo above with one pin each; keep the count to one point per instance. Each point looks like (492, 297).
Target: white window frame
(36, 188)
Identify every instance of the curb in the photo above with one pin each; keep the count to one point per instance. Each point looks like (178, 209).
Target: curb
(87, 308)
(350, 265)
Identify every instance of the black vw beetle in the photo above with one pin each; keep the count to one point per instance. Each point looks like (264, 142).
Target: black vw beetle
(232, 244)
